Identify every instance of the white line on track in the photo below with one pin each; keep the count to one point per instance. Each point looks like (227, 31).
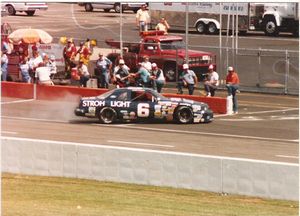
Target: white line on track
(272, 111)
(164, 130)
(9, 132)
(17, 101)
(287, 156)
(140, 143)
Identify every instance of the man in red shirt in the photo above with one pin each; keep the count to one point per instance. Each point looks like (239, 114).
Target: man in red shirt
(232, 85)
(69, 54)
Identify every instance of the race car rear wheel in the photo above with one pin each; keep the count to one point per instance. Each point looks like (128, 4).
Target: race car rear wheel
(184, 115)
(107, 115)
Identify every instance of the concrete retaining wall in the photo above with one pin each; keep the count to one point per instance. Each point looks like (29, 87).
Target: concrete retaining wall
(149, 167)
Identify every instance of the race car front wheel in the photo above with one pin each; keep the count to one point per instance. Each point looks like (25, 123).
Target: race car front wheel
(184, 115)
(107, 115)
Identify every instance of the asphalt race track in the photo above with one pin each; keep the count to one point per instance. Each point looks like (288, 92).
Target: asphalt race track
(266, 128)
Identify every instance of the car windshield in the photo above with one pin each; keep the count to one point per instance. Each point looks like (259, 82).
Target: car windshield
(171, 45)
(105, 95)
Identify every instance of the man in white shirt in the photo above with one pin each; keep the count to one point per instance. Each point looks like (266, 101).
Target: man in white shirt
(42, 74)
(146, 63)
(163, 25)
(142, 18)
(212, 82)
(83, 73)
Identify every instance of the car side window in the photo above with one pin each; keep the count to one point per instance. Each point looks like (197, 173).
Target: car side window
(123, 96)
(142, 97)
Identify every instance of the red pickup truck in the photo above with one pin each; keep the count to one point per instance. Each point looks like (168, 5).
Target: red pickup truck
(167, 51)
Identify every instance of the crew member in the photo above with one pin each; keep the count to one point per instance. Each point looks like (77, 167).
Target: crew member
(142, 18)
(158, 78)
(232, 85)
(121, 74)
(212, 82)
(188, 79)
(163, 25)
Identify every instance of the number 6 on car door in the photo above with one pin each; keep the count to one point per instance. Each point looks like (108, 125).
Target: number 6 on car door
(143, 110)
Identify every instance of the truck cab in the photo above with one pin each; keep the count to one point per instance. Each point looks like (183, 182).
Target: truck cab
(168, 52)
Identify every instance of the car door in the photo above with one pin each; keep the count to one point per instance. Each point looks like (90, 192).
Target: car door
(142, 104)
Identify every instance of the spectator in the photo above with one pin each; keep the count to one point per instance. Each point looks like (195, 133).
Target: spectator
(158, 78)
(142, 18)
(35, 60)
(232, 85)
(103, 70)
(84, 53)
(146, 63)
(212, 82)
(188, 79)
(163, 25)
(69, 54)
(51, 64)
(24, 67)
(4, 65)
(121, 74)
(42, 75)
(83, 73)
(143, 75)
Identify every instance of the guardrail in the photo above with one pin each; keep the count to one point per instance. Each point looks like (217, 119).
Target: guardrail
(41, 92)
(180, 170)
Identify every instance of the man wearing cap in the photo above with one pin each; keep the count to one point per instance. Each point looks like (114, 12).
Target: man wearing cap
(212, 82)
(103, 70)
(158, 78)
(188, 79)
(69, 54)
(143, 75)
(34, 61)
(142, 18)
(232, 85)
(121, 74)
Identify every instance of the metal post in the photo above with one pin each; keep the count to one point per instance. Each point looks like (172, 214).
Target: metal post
(121, 30)
(232, 35)
(186, 32)
(287, 71)
(220, 41)
(259, 67)
(176, 69)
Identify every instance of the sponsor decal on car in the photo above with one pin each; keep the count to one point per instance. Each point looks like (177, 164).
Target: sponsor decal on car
(90, 103)
(120, 103)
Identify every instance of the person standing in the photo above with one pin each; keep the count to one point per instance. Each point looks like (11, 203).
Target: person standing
(188, 79)
(142, 18)
(83, 73)
(24, 68)
(42, 74)
(232, 85)
(69, 54)
(158, 78)
(163, 25)
(103, 70)
(4, 65)
(212, 82)
(84, 53)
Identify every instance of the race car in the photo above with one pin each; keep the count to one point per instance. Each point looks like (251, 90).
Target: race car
(139, 104)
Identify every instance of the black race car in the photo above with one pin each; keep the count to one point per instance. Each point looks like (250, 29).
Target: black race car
(135, 103)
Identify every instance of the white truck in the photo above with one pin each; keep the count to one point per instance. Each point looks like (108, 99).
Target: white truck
(28, 7)
(204, 17)
(280, 17)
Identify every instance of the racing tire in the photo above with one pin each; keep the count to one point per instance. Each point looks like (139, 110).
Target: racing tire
(10, 10)
(88, 7)
(170, 73)
(212, 28)
(270, 27)
(30, 13)
(201, 27)
(107, 115)
(184, 115)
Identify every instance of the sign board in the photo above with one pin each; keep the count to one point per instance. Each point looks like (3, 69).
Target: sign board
(52, 49)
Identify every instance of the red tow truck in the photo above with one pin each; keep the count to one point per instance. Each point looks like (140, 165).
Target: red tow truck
(167, 51)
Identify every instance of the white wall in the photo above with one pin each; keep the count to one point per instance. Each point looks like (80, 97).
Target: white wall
(200, 172)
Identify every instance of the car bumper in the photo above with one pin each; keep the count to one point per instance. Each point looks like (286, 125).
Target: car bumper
(79, 112)
(208, 116)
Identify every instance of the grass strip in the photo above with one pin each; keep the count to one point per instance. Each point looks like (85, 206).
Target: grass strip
(51, 196)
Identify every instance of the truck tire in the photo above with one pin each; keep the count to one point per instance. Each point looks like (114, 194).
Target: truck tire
(10, 10)
(170, 72)
(212, 28)
(201, 27)
(184, 115)
(270, 26)
(117, 8)
(106, 10)
(107, 115)
(30, 13)
(88, 7)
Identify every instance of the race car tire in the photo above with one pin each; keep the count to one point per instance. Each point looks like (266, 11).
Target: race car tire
(107, 115)
(184, 115)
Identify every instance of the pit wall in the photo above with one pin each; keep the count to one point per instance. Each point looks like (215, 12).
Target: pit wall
(148, 167)
(26, 91)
